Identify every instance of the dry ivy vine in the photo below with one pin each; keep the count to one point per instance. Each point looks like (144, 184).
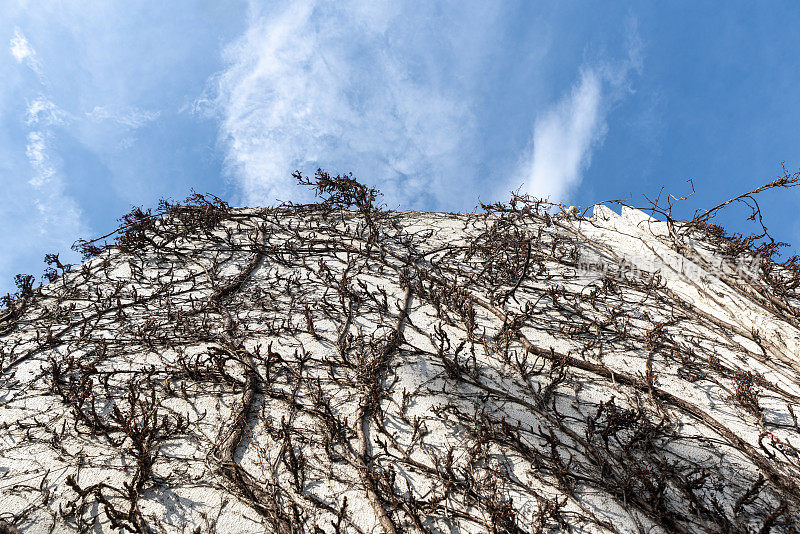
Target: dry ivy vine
(337, 367)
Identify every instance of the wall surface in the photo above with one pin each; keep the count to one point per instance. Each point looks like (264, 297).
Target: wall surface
(310, 369)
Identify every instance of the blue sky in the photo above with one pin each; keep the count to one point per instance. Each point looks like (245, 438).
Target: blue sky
(107, 105)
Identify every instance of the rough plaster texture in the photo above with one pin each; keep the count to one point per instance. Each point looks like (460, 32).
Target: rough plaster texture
(309, 370)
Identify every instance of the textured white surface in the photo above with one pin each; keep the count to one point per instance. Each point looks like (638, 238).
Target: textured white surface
(449, 394)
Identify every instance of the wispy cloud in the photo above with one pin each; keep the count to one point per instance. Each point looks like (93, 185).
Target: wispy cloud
(22, 50)
(42, 115)
(130, 117)
(36, 151)
(42, 111)
(80, 85)
(344, 87)
(565, 135)
(59, 216)
(562, 140)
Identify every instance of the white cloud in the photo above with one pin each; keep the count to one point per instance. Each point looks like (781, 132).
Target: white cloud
(36, 151)
(347, 88)
(130, 117)
(20, 47)
(565, 135)
(22, 50)
(43, 111)
(59, 216)
(61, 60)
(562, 140)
